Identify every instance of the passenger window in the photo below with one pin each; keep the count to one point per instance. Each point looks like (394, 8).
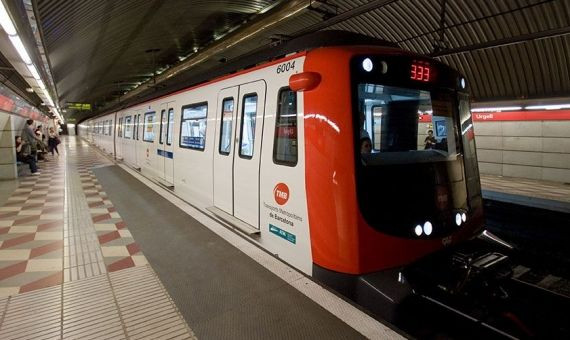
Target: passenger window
(162, 127)
(170, 126)
(128, 128)
(247, 133)
(285, 145)
(148, 132)
(227, 124)
(110, 132)
(120, 128)
(193, 126)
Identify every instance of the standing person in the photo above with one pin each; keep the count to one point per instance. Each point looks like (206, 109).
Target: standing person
(53, 141)
(29, 136)
(23, 154)
(430, 141)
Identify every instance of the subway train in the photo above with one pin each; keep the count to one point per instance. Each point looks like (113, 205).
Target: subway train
(345, 156)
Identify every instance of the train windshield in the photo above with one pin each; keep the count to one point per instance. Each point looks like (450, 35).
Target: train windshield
(409, 159)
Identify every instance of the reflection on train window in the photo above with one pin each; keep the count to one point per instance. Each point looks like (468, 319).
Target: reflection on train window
(170, 126)
(193, 126)
(247, 133)
(395, 118)
(162, 136)
(227, 125)
(128, 128)
(148, 131)
(137, 125)
(469, 149)
(285, 145)
(120, 128)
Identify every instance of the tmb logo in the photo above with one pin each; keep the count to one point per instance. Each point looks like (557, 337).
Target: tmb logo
(281, 193)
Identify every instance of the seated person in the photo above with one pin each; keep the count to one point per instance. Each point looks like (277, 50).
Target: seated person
(23, 154)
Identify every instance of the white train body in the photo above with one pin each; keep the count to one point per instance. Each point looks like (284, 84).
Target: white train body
(245, 183)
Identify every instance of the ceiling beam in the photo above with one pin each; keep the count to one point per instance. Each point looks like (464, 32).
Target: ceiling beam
(503, 42)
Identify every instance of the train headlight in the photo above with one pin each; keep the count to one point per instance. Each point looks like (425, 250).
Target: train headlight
(463, 83)
(463, 217)
(428, 228)
(458, 219)
(418, 230)
(367, 65)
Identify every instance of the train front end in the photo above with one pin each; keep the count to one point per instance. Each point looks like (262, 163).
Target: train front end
(391, 167)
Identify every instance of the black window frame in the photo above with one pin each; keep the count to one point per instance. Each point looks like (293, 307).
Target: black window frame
(247, 95)
(144, 126)
(182, 120)
(222, 127)
(168, 125)
(162, 112)
(120, 129)
(277, 115)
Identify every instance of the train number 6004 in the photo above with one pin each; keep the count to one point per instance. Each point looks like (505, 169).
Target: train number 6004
(286, 67)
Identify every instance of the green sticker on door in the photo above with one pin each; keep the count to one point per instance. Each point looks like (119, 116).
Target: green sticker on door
(282, 233)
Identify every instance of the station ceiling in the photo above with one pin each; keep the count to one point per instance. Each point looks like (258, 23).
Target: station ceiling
(100, 51)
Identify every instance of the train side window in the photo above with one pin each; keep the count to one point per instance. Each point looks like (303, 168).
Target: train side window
(285, 144)
(162, 127)
(120, 128)
(110, 132)
(226, 126)
(170, 126)
(193, 126)
(128, 128)
(148, 131)
(247, 133)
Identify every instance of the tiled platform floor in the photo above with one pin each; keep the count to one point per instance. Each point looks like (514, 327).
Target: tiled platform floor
(58, 228)
(527, 187)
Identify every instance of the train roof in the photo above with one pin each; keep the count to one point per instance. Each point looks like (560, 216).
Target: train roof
(265, 54)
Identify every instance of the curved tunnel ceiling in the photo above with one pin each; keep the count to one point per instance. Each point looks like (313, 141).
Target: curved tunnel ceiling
(508, 49)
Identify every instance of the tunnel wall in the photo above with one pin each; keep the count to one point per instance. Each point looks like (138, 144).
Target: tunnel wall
(537, 149)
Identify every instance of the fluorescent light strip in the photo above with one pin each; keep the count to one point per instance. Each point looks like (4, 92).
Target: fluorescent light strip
(497, 109)
(5, 20)
(34, 71)
(17, 42)
(548, 107)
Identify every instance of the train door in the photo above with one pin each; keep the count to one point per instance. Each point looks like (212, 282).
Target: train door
(243, 173)
(224, 149)
(165, 155)
(119, 135)
(247, 155)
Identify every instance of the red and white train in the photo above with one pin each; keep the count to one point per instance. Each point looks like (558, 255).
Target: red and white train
(319, 154)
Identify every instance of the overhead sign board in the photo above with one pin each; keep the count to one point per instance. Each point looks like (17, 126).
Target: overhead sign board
(79, 106)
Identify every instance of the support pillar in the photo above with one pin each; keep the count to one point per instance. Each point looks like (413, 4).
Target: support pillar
(8, 167)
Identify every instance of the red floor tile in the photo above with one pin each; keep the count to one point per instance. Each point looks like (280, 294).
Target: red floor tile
(51, 280)
(100, 218)
(26, 220)
(18, 240)
(49, 225)
(125, 263)
(121, 225)
(108, 237)
(133, 248)
(4, 230)
(8, 214)
(48, 248)
(95, 204)
(13, 270)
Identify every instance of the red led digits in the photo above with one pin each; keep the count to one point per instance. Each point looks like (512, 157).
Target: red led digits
(420, 72)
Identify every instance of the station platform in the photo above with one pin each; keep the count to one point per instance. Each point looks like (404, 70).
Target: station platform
(89, 251)
(527, 192)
